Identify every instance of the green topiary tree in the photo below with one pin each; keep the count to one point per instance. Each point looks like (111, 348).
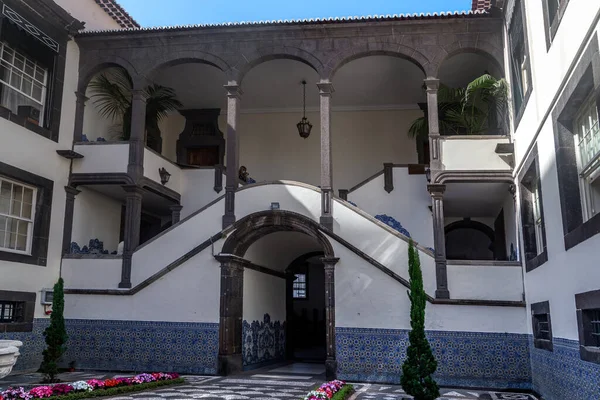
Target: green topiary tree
(56, 334)
(420, 364)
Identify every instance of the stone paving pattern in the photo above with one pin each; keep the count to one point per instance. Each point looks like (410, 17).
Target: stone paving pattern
(283, 383)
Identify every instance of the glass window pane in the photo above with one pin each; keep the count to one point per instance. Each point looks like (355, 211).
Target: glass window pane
(27, 195)
(5, 189)
(37, 92)
(29, 68)
(15, 79)
(4, 72)
(21, 242)
(22, 228)
(7, 54)
(4, 205)
(27, 211)
(12, 240)
(40, 74)
(19, 61)
(2, 237)
(11, 226)
(27, 85)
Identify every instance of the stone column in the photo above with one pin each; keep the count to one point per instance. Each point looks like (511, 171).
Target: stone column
(175, 213)
(435, 161)
(326, 90)
(79, 115)
(234, 96)
(68, 227)
(289, 309)
(439, 240)
(131, 234)
(330, 361)
(137, 140)
(218, 178)
(230, 315)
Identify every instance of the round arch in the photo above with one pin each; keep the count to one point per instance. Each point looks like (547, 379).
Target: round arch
(484, 49)
(382, 49)
(476, 228)
(247, 231)
(252, 227)
(186, 57)
(87, 72)
(263, 55)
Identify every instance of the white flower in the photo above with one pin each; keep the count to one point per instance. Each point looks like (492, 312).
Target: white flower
(82, 385)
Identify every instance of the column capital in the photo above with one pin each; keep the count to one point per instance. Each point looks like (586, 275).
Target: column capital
(81, 97)
(234, 90)
(133, 190)
(71, 191)
(138, 95)
(231, 261)
(325, 88)
(330, 261)
(436, 189)
(432, 84)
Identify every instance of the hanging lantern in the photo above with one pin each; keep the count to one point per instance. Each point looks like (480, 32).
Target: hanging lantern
(304, 126)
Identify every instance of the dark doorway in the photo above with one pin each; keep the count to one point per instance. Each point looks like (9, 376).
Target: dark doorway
(306, 310)
(500, 236)
(469, 240)
(206, 156)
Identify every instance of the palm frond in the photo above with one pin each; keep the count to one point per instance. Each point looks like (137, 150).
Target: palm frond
(111, 92)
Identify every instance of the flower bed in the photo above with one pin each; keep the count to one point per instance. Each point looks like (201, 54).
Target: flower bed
(92, 388)
(334, 390)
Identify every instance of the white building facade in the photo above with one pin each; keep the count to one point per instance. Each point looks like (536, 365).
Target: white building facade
(174, 260)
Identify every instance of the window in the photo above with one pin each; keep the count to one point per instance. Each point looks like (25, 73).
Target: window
(11, 311)
(537, 219)
(553, 13)
(16, 216)
(588, 322)
(23, 83)
(542, 325)
(520, 70)
(532, 214)
(587, 139)
(299, 289)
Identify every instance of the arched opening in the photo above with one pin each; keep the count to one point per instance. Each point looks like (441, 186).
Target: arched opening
(377, 98)
(469, 240)
(278, 259)
(483, 117)
(272, 105)
(480, 221)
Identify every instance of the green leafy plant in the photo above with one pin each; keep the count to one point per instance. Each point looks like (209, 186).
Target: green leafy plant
(112, 92)
(55, 334)
(420, 364)
(472, 110)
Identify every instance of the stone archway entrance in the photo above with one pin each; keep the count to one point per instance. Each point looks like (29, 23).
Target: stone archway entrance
(233, 261)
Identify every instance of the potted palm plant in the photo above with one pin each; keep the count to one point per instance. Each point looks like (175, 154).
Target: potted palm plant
(112, 95)
(476, 109)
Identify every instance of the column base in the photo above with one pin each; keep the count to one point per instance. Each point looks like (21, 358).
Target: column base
(230, 364)
(442, 294)
(228, 220)
(124, 285)
(331, 369)
(327, 221)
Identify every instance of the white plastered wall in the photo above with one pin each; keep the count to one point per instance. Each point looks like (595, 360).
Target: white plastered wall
(566, 273)
(33, 153)
(408, 203)
(96, 216)
(271, 148)
(89, 12)
(263, 294)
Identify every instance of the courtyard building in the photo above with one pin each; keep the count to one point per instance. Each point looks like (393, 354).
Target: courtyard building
(266, 216)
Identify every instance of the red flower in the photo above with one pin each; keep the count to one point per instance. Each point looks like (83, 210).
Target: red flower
(111, 383)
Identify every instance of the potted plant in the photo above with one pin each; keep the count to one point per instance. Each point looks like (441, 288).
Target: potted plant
(475, 109)
(112, 95)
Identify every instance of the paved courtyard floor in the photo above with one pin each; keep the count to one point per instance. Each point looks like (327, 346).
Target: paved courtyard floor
(290, 382)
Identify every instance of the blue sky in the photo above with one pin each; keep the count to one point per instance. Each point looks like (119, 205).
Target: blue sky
(183, 12)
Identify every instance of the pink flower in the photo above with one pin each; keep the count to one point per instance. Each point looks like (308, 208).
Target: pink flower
(41, 392)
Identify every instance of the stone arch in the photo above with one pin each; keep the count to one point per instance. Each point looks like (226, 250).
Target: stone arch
(89, 70)
(483, 48)
(472, 176)
(247, 231)
(262, 55)
(377, 49)
(186, 57)
(251, 228)
(480, 228)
